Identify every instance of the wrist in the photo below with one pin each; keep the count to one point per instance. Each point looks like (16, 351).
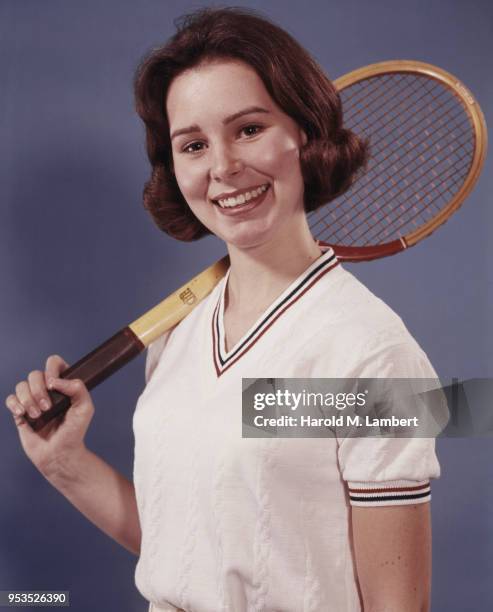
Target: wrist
(67, 469)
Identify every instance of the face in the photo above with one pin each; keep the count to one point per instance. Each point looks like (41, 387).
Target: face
(235, 154)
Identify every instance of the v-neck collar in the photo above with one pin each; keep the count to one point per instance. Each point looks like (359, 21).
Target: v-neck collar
(224, 359)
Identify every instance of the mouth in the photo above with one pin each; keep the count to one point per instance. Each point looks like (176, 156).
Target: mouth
(241, 199)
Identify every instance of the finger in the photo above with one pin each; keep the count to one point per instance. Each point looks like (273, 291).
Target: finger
(17, 411)
(37, 385)
(82, 409)
(24, 397)
(73, 388)
(55, 365)
(28, 437)
(14, 406)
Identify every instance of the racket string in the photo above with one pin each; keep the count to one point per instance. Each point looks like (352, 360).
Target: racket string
(384, 172)
(349, 228)
(406, 175)
(372, 195)
(412, 219)
(412, 116)
(422, 146)
(390, 95)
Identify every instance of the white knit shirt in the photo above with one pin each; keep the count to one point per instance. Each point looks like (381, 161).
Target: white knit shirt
(237, 525)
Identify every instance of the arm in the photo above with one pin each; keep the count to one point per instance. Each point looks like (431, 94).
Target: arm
(59, 452)
(101, 494)
(392, 547)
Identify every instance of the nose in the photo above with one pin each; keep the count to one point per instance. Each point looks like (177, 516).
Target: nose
(225, 163)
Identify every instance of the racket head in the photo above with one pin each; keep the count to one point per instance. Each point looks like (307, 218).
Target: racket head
(428, 142)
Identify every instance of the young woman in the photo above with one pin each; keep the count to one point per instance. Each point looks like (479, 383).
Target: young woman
(245, 135)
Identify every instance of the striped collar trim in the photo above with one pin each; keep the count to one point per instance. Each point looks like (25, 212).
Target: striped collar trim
(223, 359)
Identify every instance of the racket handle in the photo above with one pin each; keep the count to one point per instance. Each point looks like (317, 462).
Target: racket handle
(92, 369)
(133, 339)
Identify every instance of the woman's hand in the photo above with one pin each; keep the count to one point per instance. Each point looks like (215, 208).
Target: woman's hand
(63, 437)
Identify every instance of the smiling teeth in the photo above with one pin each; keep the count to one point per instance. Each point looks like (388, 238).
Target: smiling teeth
(244, 197)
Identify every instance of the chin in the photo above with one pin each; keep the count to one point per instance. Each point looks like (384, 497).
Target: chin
(247, 238)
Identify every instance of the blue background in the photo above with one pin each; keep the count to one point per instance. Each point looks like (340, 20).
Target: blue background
(80, 258)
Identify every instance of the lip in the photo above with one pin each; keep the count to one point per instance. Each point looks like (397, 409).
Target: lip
(243, 209)
(235, 194)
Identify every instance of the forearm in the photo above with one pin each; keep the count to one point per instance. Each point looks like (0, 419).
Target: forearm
(392, 547)
(101, 494)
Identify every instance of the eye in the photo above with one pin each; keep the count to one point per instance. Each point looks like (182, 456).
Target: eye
(251, 129)
(193, 147)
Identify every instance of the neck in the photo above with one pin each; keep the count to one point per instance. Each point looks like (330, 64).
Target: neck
(260, 274)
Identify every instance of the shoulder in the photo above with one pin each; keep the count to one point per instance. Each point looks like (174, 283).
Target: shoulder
(347, 304)
(358, 333)
(154, 352)
(181, 333)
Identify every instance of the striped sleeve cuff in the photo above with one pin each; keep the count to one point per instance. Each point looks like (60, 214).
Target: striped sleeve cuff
(392, 493)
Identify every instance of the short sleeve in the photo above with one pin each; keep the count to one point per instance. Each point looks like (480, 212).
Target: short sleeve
(154, 352)
(382, 471)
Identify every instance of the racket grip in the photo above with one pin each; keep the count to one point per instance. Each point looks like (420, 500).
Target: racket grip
(92, 369)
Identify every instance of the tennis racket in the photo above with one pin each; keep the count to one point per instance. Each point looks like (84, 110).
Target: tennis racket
(428, 142)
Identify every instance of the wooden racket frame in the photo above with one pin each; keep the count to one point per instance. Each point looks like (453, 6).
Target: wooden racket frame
(476, 117)
(133, 339)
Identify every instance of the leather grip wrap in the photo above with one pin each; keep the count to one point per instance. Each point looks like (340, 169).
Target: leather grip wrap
(92, 369)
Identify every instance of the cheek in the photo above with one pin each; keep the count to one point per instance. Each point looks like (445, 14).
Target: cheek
(193, 184)
(191, 181)
(280, 161)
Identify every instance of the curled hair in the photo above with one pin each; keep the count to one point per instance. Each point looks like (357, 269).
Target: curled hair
(332, 154)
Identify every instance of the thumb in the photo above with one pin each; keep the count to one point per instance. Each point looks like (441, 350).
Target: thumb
(80, 400)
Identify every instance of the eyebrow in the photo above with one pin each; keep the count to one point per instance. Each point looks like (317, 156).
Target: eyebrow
(229, 119)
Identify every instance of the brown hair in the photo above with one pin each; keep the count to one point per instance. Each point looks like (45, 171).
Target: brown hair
(330, 158)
